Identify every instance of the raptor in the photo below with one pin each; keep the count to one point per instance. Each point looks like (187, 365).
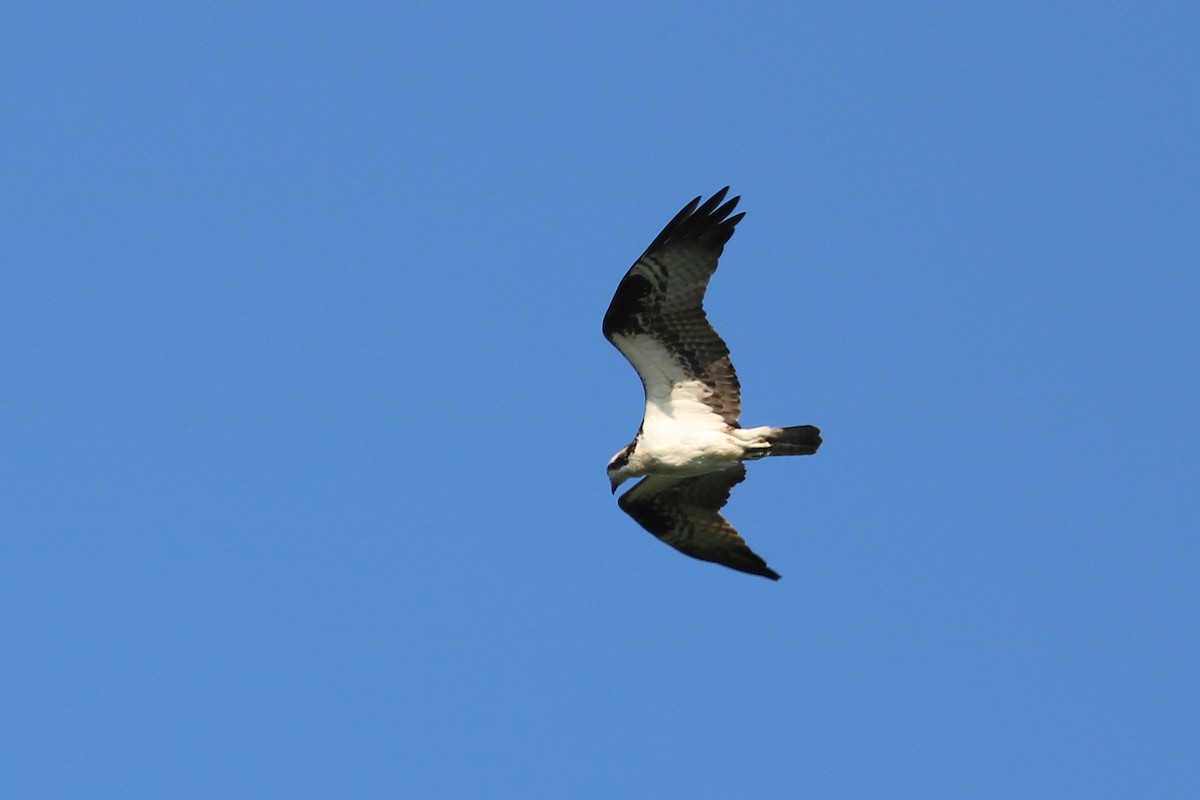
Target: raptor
(690, 448)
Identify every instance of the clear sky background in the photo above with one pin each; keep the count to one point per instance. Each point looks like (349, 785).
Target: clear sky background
(305, 408)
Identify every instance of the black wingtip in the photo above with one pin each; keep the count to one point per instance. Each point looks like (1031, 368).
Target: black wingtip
(709, 222)
(758, 569)
(743, 559)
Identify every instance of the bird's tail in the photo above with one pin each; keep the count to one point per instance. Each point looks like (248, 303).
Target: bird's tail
(800, 440)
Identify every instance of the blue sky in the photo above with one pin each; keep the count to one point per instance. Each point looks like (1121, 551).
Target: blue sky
(306, 407)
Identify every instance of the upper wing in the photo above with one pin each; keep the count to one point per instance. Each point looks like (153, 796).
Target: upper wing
(685, 513)
(656, 318)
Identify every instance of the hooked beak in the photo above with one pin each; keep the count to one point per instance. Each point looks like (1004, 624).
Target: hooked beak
(615, 483)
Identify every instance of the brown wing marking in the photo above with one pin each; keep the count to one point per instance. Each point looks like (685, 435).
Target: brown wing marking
(685, 513)
(662, 297)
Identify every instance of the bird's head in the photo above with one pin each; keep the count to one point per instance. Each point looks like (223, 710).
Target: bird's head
(618, 467)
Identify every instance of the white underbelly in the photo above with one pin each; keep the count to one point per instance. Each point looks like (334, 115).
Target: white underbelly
(691, 454)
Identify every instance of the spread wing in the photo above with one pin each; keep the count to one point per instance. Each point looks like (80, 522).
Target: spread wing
(685, 513)
(657, 321)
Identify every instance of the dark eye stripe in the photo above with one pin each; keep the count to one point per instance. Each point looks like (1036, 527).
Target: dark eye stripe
(621, 458)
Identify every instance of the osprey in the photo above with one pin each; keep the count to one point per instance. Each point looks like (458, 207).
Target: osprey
(689, 447)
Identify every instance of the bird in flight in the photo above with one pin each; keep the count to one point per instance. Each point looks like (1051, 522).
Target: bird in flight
(689, 448)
